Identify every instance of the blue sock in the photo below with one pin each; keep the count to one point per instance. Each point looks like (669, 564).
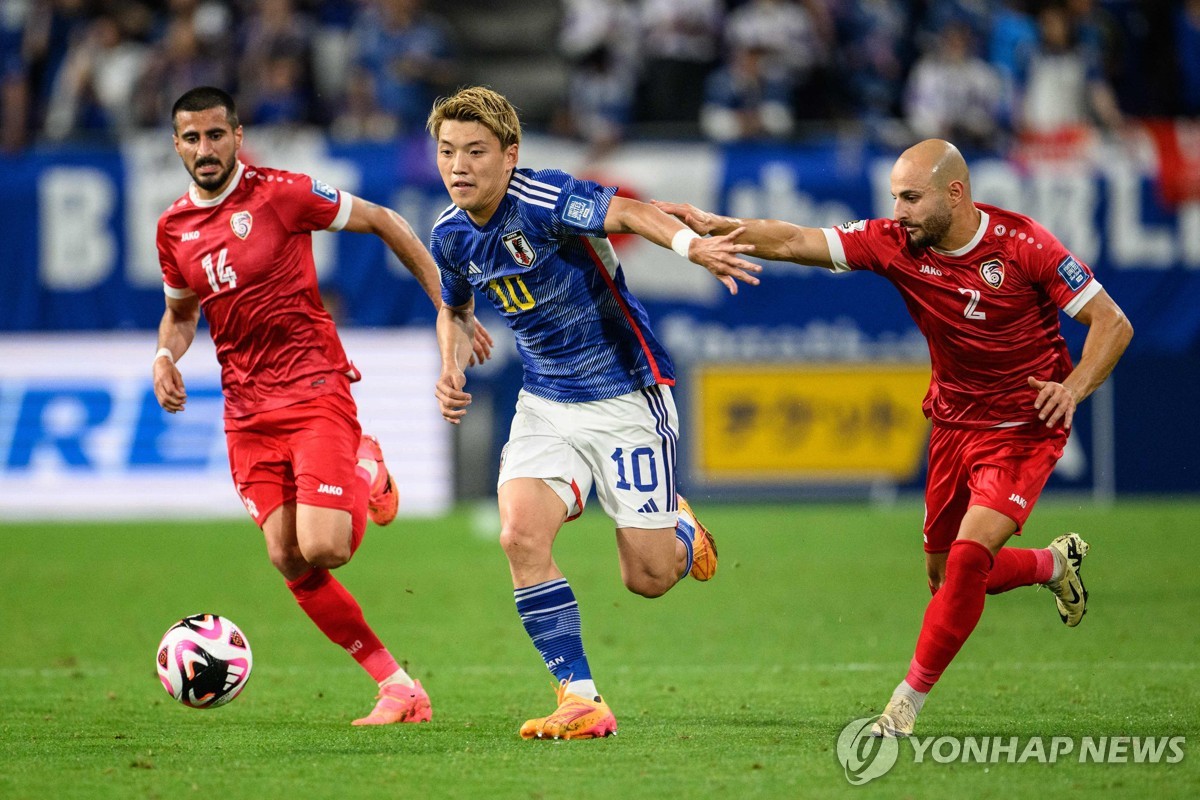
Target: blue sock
(686, 533)
(551, 618)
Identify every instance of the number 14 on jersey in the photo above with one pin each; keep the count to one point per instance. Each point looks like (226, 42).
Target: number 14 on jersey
(221, 272)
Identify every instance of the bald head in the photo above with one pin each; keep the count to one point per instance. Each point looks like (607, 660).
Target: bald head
(939, 161)
(933, 195)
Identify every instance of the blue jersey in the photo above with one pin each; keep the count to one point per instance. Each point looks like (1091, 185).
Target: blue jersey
(546, 265)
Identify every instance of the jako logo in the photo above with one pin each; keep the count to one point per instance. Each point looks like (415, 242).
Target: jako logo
(1016, 498)
(928, 270)
(325, 488)
(190, 236)
(863, 756)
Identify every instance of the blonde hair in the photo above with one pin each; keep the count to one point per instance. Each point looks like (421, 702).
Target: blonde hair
(478, 104)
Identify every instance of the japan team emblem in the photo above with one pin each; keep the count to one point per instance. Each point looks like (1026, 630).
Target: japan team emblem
(519, 247)
(992, 273)
(241, 222)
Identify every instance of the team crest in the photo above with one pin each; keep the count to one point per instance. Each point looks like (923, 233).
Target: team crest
(992, 273)
(241, 222)
(519, 247)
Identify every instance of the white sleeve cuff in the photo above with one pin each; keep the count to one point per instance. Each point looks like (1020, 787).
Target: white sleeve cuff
(343, 214)
(837, 253)
(1080, 300)
(177, 294)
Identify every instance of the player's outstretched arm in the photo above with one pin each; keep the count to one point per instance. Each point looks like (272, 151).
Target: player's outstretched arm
(1109, 332)
(773, 239)
(175, 334)
(718, 254)
(398, 235)
(455, 334)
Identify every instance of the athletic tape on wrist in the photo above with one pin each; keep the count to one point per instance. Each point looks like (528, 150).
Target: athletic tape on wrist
(682, 240)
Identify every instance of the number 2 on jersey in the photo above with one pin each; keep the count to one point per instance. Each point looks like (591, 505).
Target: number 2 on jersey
(513, 293)
(971, 311)
(221, 272)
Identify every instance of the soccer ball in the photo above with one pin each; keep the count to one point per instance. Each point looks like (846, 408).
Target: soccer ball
(204, 661)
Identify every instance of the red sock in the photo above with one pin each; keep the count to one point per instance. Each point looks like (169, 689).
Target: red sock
(338, 615)
(1020, 567)
(952, 613)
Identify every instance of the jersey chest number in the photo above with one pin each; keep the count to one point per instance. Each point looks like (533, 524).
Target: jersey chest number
(972, 311)
(513, 294)
(220, 272)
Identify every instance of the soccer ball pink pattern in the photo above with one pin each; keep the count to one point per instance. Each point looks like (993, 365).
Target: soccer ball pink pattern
(204, 661)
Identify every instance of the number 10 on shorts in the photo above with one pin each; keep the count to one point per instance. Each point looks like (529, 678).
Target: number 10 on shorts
(640, 464)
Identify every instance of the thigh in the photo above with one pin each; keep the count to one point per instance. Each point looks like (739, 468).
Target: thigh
(538, 448)
(629, 443)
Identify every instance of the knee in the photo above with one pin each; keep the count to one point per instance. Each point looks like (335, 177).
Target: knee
(647, 582)
(329, 554)
(521, 542)
(287, 559)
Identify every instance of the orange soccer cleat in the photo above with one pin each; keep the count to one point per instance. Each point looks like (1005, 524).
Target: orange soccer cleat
(384, 499)
(704, 546)
(399, 703)
(575, 718)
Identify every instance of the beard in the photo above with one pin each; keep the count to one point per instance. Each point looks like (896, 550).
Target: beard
(933, 230)
(215, 181)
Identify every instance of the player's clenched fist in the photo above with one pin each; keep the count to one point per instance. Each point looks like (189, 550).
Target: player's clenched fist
(168, 386)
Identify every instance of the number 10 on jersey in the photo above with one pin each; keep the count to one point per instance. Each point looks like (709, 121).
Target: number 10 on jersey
(221, 272)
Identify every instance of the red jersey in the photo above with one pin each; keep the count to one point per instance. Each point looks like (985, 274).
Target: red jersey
(247, 254)
(989, 310)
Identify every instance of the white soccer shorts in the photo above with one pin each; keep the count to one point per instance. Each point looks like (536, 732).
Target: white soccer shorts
(624, 446)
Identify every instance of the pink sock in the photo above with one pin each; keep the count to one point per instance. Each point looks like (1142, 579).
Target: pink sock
(952, 613)
(338, 615)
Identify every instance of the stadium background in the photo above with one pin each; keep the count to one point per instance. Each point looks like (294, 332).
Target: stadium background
(806, 387)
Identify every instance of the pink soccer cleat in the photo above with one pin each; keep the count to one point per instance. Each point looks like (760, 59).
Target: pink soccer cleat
(399, 703)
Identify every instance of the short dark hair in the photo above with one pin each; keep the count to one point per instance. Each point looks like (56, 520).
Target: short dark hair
(203, 98)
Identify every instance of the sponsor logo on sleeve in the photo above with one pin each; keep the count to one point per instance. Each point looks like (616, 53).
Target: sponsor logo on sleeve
(853, 225)
(322, 189)
(1072, 273)
(241, 222)
(992, 272)
(518, 247)
(578, 210)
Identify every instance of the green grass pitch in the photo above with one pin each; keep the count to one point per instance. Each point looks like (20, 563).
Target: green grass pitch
(737, 688)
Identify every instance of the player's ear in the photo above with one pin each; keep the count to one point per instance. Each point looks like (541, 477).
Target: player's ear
(510, 155)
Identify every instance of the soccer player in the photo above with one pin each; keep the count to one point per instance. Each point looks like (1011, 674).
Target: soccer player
(596, 405)
(238, 245)
(985, 286)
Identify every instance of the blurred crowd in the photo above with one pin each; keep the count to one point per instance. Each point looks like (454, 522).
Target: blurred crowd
(971, 70)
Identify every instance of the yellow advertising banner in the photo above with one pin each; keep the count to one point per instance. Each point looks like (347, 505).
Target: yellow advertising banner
(839, 422)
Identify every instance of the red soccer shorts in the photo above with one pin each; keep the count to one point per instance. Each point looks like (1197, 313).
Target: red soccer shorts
(1004, 469)
(303, 453)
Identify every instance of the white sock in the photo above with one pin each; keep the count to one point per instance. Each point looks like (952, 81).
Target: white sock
(399, 676)
(583, 689)
(1060, 566)
(918, 698)
(371, 466)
